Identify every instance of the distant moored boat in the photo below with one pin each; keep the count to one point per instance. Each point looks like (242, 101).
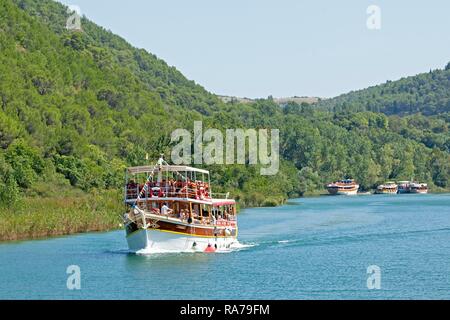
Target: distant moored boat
(344, 187)
(418, 187)
(404, 187)
(387, 188)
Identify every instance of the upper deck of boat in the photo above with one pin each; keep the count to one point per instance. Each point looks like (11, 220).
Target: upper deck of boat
(165, 168)
(212, 202)
(171, 183)
(342, 183)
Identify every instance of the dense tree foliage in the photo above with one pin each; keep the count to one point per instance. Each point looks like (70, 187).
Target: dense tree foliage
(426, 93)
(77, 107)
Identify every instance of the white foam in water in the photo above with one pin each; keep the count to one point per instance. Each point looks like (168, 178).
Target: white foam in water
(236, 246)
(284, 241)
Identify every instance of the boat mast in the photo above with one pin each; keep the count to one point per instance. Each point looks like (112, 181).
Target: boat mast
(160, 164)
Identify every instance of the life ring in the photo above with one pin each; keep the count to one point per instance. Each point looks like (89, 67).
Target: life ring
(155, 191)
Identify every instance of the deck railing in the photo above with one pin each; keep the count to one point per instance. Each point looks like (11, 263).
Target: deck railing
(165, 192)
(137, 217)
(132, 192)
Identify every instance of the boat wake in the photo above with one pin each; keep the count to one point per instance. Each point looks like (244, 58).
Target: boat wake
(237, 246)
(319, 240)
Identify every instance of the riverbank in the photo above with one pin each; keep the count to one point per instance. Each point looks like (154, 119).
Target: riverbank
(43, 217)
(36, 217)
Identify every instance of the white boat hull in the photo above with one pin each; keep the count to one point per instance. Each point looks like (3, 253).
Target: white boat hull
(153, 241)
(347, 193)
(335, 191)
(419, 191)
(386, 192)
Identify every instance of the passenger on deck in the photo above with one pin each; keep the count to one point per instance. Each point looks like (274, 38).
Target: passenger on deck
(193, 190)
(131, 184)
(178, 185)
(206, 190)
(165, 210)
(182, 215)
(228, 213)
(131, 189)
(172, 188)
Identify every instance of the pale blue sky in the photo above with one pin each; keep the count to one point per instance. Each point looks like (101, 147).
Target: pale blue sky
(256, 48)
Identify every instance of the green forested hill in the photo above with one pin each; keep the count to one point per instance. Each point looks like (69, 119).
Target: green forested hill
(426, 93)
(78, 107)
(111, 53)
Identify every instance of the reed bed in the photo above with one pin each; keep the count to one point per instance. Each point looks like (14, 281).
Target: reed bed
(38, 217)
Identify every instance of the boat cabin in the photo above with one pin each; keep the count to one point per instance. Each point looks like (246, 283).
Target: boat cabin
(220, 212)
(179, 193)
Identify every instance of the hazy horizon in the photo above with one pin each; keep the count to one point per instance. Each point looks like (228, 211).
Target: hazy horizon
(284, 49)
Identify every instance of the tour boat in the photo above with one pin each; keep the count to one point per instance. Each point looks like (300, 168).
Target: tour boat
(346, 187)
(172, 208)
(404, 186)
(418, 187)
(387, 188)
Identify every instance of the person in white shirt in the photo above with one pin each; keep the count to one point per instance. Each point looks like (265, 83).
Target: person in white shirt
(165, 210)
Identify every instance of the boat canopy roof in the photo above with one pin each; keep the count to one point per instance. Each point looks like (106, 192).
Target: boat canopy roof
(223, 202)
(146, 169)
(344, 181)
(418, 184)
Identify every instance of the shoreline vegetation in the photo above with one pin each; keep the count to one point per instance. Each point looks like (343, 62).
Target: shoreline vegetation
(74, 212)
(99, 211)
(36, 218)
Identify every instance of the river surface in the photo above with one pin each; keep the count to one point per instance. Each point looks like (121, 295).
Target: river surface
(311, 248)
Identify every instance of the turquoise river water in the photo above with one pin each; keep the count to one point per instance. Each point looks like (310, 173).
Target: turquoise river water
(312, 248)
